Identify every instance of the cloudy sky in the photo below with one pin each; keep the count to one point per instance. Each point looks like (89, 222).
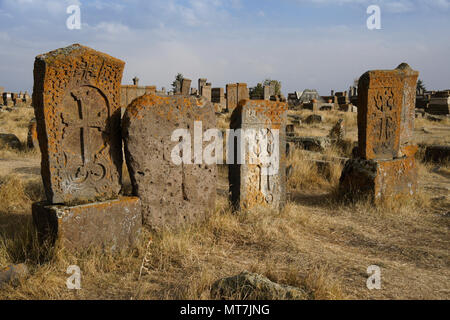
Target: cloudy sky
(322, 44)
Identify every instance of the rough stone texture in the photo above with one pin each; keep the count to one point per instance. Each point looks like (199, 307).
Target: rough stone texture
(12, 274)
(206, 92)
(249, 187)
(384, 165)
(9, 140)
(76, 99)
(201, 84)
(338, 131)
(379, 179)
(439, 103)
(130, 92)
(32, 139)
(386, 111)
(266, 94)
(252, 286)
(171, 194)
(242, 92)
(186, 86)
(113, 224)
(231, 96)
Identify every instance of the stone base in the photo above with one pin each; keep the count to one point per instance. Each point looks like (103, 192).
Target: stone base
(113, 224)
(379, 179)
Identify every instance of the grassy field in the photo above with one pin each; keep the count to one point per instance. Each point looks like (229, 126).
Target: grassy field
(316, 243)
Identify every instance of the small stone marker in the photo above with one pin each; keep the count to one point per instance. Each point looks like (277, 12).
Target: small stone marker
(258, 182)
(32, 139)
(76, 100)
(236, 92)
(206, 92)
(385, 165)
(185, 86)
(231, 96)
(172, 193)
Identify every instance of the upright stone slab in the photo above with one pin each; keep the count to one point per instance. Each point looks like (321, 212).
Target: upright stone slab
(386, 111)
(266, 94)
(76, 100)
(218, 95)
(185, 86)
(231, 96)
(259, 183)
(171, 193)
(439, 103)
(206, 92)
(242, 92)
(385, 166)
(201, 84)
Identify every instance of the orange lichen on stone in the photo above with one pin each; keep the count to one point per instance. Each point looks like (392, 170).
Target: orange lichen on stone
(76, 98)
(386, 167)
(379, 179)
(385, 111)
(111, 224)
(260, 183)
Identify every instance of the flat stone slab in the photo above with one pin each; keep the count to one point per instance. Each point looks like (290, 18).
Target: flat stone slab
(172, 193)
(112, 225)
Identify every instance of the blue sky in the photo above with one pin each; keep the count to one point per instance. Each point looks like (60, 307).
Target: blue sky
(320, 44)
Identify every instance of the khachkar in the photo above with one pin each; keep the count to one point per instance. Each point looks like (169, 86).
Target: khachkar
(257, 176)
(77, 106)
(176, 186)
(385, 166)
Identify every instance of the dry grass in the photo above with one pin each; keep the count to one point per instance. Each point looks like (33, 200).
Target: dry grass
(16, 122)
(316, 243)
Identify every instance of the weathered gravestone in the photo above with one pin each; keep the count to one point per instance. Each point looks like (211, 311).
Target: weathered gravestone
(201, 84)
(172, 192)
(32, 139)
(231, 96)
(257, 176)
(76, 96)
(385, 165)
(236, 92)
(218, 95)
(206, 92)
(185, 86)
(76, 100)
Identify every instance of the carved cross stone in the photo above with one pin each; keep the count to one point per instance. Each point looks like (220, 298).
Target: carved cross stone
(77, 106)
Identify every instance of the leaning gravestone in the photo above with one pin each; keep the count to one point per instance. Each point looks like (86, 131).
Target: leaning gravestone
(385, 165)
(76, 100)
(172, 193)
(257, 176)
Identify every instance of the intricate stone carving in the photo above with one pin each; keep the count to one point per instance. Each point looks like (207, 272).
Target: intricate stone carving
(77, 96)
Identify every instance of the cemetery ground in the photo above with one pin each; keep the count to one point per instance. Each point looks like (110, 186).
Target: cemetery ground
(317, 243)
